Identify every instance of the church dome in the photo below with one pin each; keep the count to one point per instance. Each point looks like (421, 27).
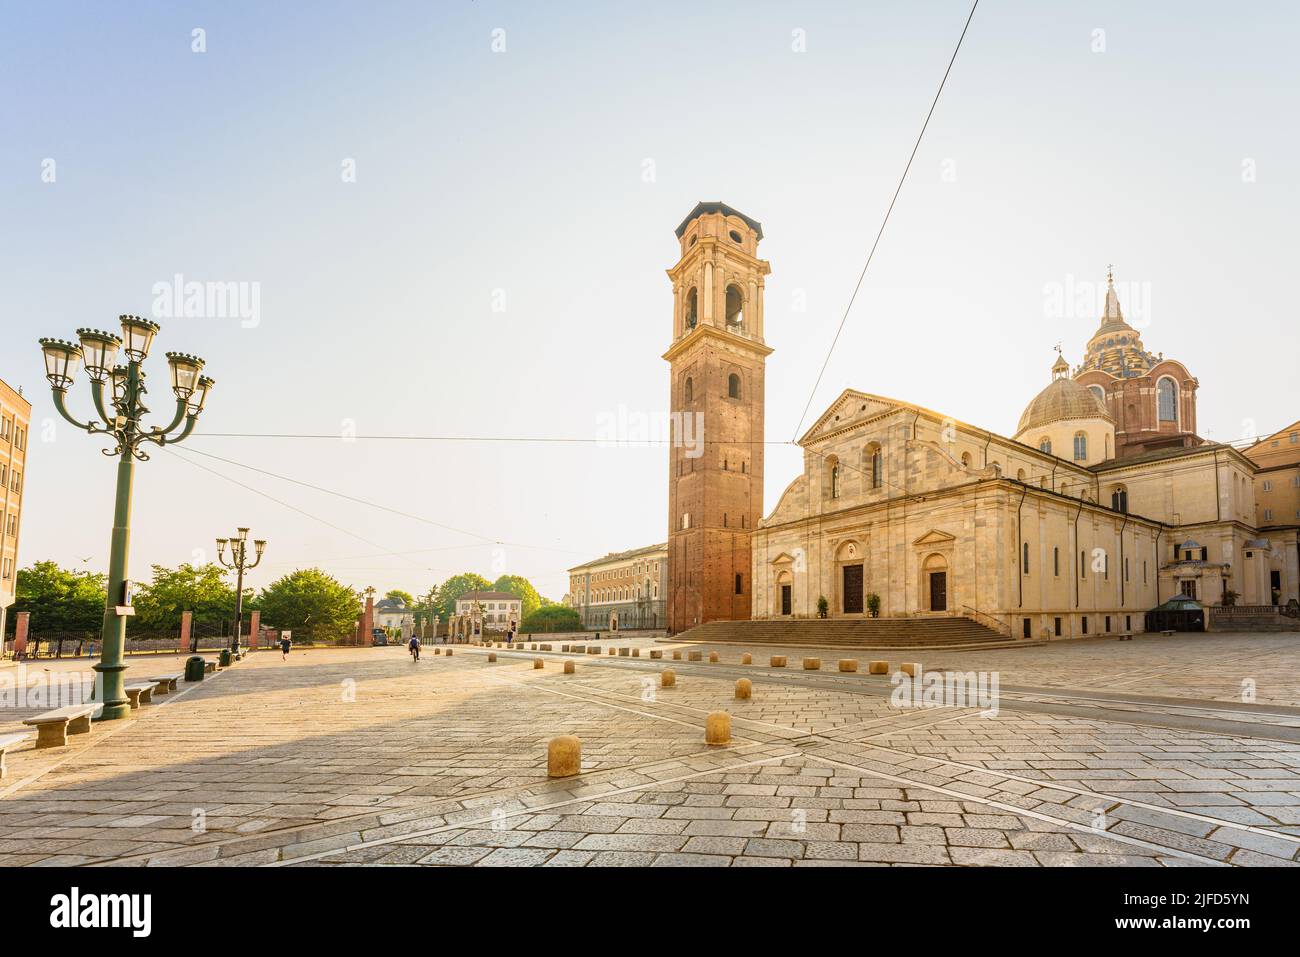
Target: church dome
(1062, 400)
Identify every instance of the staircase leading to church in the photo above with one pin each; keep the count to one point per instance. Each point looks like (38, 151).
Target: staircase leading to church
(1255, 618)
(949, 631)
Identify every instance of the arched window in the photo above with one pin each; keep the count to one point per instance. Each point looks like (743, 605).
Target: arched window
(875, 464)
(965, 459)
(1167, 400)
(1099, 392)
(735, 307)
(689, 390)
(1080, 446)
(1045, 445)
(733, 386)
(1119, 499)
(832, 477)
(1020, 475)
(692, 301)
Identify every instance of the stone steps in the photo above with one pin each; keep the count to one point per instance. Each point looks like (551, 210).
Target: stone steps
(945, 632)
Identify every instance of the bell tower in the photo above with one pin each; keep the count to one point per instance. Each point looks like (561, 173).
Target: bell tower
(715, 459)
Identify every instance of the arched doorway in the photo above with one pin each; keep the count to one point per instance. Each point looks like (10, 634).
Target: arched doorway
(934, 583)
(613, 621)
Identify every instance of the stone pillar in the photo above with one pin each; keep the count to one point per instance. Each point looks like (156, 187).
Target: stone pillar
(254, 629)
(187, 628)
(21, 624)
(367, 621)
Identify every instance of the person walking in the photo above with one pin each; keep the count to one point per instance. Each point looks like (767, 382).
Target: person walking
(285, 642)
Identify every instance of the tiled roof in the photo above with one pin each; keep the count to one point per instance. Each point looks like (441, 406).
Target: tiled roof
(1063, 399)
(621, 556)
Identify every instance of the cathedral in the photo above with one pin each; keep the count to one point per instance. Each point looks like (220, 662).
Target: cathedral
(1103, 504)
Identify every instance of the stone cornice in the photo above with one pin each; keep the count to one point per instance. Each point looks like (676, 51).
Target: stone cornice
(703, 332)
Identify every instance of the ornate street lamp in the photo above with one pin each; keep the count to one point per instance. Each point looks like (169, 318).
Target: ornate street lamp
(120, 413)
(239, 561)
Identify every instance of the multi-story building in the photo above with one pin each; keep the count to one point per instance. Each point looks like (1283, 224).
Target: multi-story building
(393, 613)
(497, 610)
(622, 590)
(1277, 492)
(15, 424)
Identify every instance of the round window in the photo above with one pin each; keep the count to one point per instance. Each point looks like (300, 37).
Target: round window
(736, 237)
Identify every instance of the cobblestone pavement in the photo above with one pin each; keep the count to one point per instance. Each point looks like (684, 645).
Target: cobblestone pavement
(358, 756)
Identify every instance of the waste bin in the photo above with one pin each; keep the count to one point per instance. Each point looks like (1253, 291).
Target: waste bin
(194, 668)
(225, 658)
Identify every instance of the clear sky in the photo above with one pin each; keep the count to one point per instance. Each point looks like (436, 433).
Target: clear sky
(495, 268)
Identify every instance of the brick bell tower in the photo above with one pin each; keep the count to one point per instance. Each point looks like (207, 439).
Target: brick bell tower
(715, 459)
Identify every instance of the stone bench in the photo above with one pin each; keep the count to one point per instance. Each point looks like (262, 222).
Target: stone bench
(209, 666)
(166, 684)
(138, 693)
(53, 727)
(1126, 636)
(7, 741)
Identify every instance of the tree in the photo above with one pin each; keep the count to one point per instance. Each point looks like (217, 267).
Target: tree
(202, 589)
(552, 618)
(312, 605)
(521, 588)
(61, 601)
(403, 596)
(453, 588)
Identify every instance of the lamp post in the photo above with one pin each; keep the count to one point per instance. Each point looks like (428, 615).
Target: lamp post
(239, 561)
(122, 424)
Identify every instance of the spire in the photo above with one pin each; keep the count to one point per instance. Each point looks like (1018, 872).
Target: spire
(1111, 313)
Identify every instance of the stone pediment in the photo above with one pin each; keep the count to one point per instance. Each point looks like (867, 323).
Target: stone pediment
(935, 537)
(850, 407)
(784, 558)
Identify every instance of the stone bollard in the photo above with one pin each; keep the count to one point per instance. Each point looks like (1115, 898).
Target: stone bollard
(624, 652)
(492, 656)
(877, 667)
(668, 679)
(910, 668)
(593, 650)
(744, 689)
(656, 653)
(636, 652)
(677, 656)
(579, 649)
(713, 657)
(695, 655)
(564, 647)
(538, 663)
(747, 659)
(612, 652)
(546, 647)
(448, 652)
(812, 664)
(437, 651)
(563, 757)
(778, 661)
(848, 664)
(568, 668)
(717, 728)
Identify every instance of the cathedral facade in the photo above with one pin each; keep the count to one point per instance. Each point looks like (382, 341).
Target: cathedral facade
(1102, 505)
